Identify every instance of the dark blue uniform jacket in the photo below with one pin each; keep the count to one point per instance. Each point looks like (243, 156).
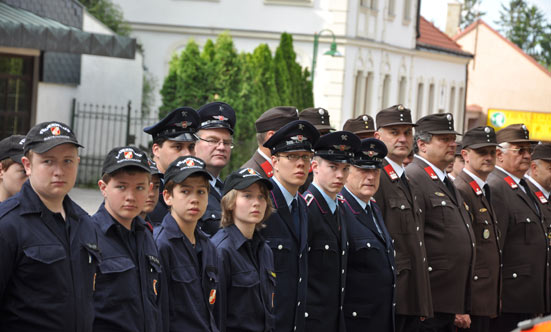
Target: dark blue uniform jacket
(290, 262)
(210, 221)
(369, 299)
(161, 209)
(327, 256)
(127, 296)
(247, 281)
(192, 282)
(47, 266)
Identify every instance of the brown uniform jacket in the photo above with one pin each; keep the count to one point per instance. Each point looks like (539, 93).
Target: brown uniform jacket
(525, 247)
(403, 218)
(259, 164)
(485, 289)
(449, 240)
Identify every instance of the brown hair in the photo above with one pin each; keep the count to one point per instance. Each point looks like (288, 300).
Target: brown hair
(228, 205)
(6, 163)
(130, 170)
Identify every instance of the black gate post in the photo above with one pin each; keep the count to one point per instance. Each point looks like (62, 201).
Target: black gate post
(128, 113)
(73, 113)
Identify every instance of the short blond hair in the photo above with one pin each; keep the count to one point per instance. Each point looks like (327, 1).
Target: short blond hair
(228, 205)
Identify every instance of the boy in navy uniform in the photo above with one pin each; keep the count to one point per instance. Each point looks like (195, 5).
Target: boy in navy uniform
(287, 228)
(154, 191)
(327, 240)
(188, 256)
(214, 147)
(127, 285)
(370, 280)
(174, 136)
(12, 172)
(48, 244)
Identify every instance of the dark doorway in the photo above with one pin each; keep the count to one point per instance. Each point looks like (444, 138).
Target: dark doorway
(16, 89)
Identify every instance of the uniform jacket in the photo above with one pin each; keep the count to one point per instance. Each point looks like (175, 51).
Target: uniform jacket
(449, 239)
(192, 285)
(127, 289)
(486, 282)
(246, 287)
(290, 262)
(369, 300)
(161, 209)
(327, 242)
(210, 221)
(259, 164)
(46, 278)
(525, 247)
(403, 219)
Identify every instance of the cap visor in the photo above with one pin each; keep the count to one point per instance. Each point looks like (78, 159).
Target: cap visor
(521, 141)
(480, 145)
(17, 158)
(183, 175)
(47, 146)
(369, 166)
(400, 123)
(217, 126)
(184, 137)
(247, 182)
(444, 132)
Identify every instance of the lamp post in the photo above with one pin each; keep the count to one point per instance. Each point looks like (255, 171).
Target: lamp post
(332, 51)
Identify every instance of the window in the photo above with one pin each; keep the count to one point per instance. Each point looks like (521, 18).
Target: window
(391, 8)
(407, 10)
(386, 92)
(368, 88)
(402, 91)
(16, 89)
(362, 93)
(460, 99)
(431, 99)
(371, 4)
(420, 99)
(452, 101)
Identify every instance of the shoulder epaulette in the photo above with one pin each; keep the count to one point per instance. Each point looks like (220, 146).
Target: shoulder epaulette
(341, 198)
(267, 168)
(8, 206)
(308, 198)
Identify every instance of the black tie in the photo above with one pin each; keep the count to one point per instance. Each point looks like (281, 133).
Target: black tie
(450, 186)
(529, 193)
(486, 188)
(371, 216)
(404, 180)
(219, 185)
(296, 216)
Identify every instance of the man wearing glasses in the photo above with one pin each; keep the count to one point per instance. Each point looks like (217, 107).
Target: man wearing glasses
(286, 229)
(214, 146)
(523, 235)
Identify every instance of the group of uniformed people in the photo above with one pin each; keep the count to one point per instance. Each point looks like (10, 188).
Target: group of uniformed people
(321, 230)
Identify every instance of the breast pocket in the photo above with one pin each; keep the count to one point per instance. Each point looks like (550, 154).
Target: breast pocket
(365, 254)
(42, 261)
(185, 286)
(402, 222)
(323, 253)
(530, 227)
(443, 209)
(281, 249)
(117, 281)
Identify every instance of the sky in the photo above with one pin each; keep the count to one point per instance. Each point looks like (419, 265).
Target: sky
(435, 10)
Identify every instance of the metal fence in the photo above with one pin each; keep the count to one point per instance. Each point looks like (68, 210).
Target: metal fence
(100, 128)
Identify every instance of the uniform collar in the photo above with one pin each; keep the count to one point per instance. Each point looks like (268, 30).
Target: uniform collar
(517, 180)
(286, 194)
(441, 174)
(31, 203)
(399, 169)
(361, 202)
(332, 204)
(239, 239)
(264, 156)
(106, 220)
(170, 226)
(478, 180)
(535, 183)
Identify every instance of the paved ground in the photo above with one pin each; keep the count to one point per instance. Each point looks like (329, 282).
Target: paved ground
(88, 199)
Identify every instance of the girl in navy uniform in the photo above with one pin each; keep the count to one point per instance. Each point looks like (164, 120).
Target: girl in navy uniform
(247, 266)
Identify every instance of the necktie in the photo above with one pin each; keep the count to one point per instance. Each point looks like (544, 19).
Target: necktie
(296, 216)
(371, 216)
(219, 186)
(405, 180)
(486, 188)
(523, 183)
(450, 186)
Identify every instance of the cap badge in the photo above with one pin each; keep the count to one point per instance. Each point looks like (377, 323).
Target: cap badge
(365, 118)
(321, 112)
(400, 107)
(220, 117)
(251, 171)
(341, 147)
(22, 141)
(523, 127)
(487, 130)
(128, 155)
(371, 153)
(344, 137)
(220, 108)
(184, 113)
(449, 117)
(190, 162)
(301, 126)
(55, 131)
(184, 124)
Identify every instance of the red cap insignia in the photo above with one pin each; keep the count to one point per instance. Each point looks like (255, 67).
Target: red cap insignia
(55, 131)
(128, 155)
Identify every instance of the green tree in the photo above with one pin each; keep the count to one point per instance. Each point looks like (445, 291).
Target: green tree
(470, 12)
(109, 14)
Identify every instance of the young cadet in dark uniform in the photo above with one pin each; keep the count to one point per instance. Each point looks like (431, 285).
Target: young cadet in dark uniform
(173, 137)
(266, 125)
(154, 191)
(248, 280)
(403, 219)
(287, 228)
(214, 147)
(319, 118)
(479, 152)
(449, 239)
(48, 244)
(525, 271)
(188, 256)
(363, 126)
(370, 281)
(327, 231)
(12, 172)
(127, 284)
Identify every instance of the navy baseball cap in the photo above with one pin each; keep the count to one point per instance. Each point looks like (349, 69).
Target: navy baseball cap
(243, 178)
(125, 156)
(181, 168)
(12, 147)
(47, 135)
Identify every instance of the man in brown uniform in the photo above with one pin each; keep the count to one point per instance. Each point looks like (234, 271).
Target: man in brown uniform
(449, 239)
(402, 216)
(363, 126)
(479, 153)
(523, 235)
(539, 176)
(266, 125)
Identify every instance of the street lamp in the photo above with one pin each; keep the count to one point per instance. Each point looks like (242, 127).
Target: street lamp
(332, 51)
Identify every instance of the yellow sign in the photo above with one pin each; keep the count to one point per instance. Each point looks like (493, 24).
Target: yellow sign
(539, 124)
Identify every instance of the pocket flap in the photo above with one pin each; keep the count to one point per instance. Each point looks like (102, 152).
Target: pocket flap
(279, 244)
(518, 270)
(328, 245)
(46, 253)
(367, 243)
(399, 203)
(245, 279)
(116, 265)
(359, 311)
(184, 274)
(442, 201)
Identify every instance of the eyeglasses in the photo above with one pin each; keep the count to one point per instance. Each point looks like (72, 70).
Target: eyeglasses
(296, 157)
(215, 142)
(521, 151)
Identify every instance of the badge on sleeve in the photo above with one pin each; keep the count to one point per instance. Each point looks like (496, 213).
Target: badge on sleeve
(486, 234)
(212, 296)
(155, 286)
